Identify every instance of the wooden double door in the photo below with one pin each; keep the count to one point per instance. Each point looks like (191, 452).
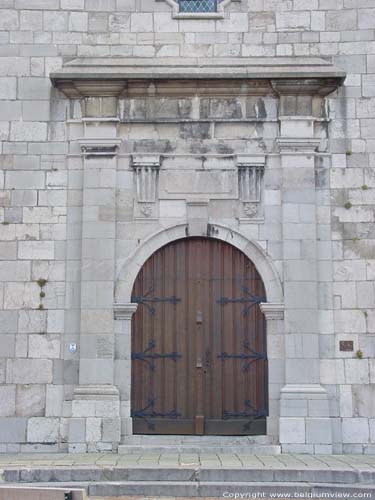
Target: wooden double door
(199, 363)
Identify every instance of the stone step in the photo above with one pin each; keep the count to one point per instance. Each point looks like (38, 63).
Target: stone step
(188, 489)
(198, 440)
(219, 489)
(37, 493)
(193, 475)
(250, 449)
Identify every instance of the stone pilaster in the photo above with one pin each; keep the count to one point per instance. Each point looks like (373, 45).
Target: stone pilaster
(123, 314)
(95, 423)
(274, 316)
(305, 425)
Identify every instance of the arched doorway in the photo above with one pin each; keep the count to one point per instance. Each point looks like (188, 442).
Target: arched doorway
(199, 363)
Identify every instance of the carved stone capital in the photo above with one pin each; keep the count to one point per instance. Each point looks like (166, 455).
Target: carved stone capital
(306, 86)
(272, 311)
(251, 161)
(99, 147)
(76, 88)
(124, 311)
(146, 161)
(297, 144)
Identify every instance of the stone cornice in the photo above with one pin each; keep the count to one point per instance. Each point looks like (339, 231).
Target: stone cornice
(88, 77)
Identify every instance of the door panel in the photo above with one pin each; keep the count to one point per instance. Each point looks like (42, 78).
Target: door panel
(198, 345)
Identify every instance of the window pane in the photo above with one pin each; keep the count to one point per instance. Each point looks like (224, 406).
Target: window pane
(198, 5)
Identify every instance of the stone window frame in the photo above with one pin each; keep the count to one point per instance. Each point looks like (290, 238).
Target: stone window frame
(219, 14)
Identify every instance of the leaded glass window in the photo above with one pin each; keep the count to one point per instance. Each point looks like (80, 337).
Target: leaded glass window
(198, 5)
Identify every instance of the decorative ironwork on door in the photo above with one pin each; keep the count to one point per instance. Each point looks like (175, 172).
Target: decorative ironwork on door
(249, 299)
(149, 299)
(149, 357)
(248, 357)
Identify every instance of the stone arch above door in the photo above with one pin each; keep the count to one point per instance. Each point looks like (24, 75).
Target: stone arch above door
(131, 267)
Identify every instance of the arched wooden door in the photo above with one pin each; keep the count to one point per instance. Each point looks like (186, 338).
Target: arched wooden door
(199, 363)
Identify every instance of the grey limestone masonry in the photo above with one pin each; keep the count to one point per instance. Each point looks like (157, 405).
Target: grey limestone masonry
(124, 125)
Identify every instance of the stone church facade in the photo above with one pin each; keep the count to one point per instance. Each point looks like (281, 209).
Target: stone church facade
(130, 126)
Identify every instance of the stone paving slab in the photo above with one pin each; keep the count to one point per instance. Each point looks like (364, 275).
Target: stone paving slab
(181, 460)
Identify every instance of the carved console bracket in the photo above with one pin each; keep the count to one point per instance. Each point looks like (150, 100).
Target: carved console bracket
(250, 174)
(146, 172)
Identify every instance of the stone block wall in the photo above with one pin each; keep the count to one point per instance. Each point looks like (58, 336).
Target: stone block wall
(41, 189)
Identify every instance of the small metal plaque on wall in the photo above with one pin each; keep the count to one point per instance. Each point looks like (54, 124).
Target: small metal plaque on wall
(346, 345)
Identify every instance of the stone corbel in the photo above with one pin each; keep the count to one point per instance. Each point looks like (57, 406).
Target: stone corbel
(99, 147)
(272, 310)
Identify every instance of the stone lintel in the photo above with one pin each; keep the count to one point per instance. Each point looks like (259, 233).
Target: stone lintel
(124, 311)
(88, 76)
(297, 144)
(272, 310)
